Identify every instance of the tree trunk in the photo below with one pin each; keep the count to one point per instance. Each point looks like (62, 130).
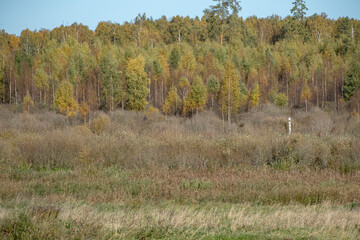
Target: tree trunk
(16, 95)
(229, 107)
(53, 92)
(212, 101)
(317, 91)
(155, 93)
(162, 91)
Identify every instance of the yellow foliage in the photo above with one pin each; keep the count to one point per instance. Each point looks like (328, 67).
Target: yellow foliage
(84, 110)
(65, 101)
(151, 113)
(306, 93)
(28, 102)
(98, 124)
(172, 101)
(255, 96)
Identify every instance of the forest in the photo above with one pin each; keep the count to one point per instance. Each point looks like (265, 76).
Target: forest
(178, 128)
(182, 65)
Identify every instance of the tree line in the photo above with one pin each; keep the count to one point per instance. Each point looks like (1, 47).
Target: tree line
(184, 65)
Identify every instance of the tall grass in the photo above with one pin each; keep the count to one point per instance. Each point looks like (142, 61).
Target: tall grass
(131, 140)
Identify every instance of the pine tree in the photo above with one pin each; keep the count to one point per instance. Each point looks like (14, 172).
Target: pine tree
(112, 84)
(299, 9)
(352, 80)
(196, 99)
(213, 87)
(222, 10)
(174, 58)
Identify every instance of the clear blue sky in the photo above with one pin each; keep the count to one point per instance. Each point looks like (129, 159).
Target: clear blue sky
(16, 15)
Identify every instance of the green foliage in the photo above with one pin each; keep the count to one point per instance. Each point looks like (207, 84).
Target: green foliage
(281, 53)
(196, 184)
(197, 97)
(352, 80)
(137, 83)
(213, 85)
(299, 9)
(79, 63)
(280, 100)
(41, 78)
(113, 92)
(175, 57)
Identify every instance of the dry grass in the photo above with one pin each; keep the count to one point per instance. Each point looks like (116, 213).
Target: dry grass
(134, 176)
(209, 221)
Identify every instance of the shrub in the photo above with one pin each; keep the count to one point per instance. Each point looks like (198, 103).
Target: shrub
(98, 124)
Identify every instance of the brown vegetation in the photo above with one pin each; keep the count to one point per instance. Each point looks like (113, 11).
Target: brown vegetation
(250, 176)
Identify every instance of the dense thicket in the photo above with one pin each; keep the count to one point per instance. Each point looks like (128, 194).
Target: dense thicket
(296, 61)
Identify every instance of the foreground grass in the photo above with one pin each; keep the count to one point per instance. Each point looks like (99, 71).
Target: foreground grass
(113, 203)
(173, 221)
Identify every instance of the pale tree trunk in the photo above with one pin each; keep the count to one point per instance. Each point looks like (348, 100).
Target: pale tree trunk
(16, 95)
(317, 91)
(53, 92)
(229, 107)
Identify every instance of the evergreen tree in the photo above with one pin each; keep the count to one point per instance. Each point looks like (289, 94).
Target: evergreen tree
(174, 58)
(197, 97)
(213, 87)
(112, 84)
(299, 9)
(224, 9)
(352, 81)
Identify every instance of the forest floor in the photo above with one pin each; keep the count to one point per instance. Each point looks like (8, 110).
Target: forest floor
(130, 176)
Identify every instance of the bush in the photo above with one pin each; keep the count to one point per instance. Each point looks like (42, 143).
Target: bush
(98, 124)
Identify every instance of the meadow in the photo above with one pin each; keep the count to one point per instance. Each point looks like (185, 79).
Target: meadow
(142, 175)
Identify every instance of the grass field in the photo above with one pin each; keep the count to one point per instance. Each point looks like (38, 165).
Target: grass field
(134, 176)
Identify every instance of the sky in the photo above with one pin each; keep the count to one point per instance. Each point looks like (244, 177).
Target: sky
(17, 15)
